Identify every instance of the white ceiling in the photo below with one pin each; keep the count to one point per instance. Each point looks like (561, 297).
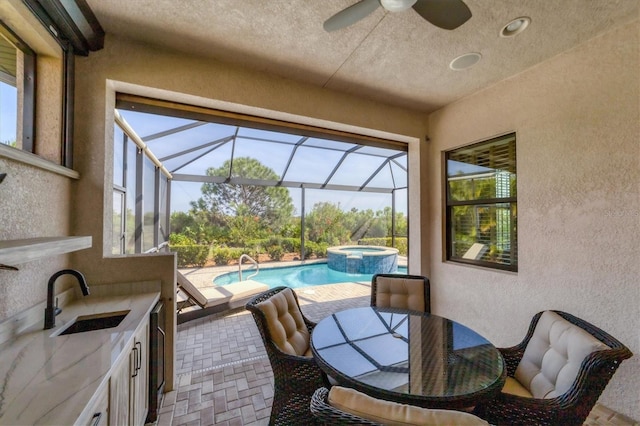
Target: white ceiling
(396, 58)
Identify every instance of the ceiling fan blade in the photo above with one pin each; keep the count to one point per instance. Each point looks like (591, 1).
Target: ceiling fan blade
(351, 15)
(446, 14)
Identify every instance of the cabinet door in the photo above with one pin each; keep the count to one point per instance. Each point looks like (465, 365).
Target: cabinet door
(98, 414)
(140, 378)
(120, 393)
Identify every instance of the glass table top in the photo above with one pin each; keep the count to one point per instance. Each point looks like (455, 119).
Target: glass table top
(408, 356)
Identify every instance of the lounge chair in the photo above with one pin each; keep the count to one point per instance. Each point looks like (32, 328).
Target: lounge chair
(213, 299)
(475, 252)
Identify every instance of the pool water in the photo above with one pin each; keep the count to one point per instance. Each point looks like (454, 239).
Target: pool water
(298, 276)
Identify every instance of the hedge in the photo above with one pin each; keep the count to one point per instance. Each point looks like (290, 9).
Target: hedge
(191, 255)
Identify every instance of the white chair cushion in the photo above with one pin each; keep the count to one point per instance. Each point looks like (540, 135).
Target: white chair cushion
(553, 356)
(390, 413)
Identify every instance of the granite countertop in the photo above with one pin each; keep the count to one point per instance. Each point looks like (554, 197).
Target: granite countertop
(48, 379)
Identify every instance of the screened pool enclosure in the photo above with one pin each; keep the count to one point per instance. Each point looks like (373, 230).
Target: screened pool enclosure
(171, 158)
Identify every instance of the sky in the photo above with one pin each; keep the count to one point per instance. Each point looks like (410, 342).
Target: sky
(310, 164)
(8, 120)
(184, 192)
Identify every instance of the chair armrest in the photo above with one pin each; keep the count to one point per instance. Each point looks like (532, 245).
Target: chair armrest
(512, 357)
(518, 410)
(329, 415)
(310, 324)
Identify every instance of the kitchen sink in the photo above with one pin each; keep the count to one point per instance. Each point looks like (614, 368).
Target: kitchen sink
(95, 322)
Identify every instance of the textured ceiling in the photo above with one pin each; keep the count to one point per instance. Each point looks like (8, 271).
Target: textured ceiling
(396, 58)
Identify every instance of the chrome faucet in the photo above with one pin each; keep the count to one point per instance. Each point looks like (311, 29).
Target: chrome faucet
(50, 311)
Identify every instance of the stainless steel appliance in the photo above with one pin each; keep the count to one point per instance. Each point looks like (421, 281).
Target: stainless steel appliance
(156, 360)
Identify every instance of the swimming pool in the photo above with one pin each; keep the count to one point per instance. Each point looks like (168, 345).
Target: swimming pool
(298, 276)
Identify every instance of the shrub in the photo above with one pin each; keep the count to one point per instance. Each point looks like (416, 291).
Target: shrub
(235, 253)
(274, 240)
(291, 245)
(221, 256)
(180, 240)
(321, 249)
(275, 252)
(253, 252)
(309, 248)
(191, 255)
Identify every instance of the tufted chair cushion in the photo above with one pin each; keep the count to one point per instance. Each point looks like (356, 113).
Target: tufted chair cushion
(285, 323)
(404, 293)
(553, 356)
(391, 413)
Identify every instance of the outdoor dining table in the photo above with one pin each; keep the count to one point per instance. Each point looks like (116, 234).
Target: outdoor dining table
(409, 357)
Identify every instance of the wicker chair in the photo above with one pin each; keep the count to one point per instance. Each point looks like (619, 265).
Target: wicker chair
(373, 409)
(296, 374)
(575, 403)
(401, 291)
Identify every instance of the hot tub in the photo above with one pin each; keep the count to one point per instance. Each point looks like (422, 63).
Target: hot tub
(363, 259)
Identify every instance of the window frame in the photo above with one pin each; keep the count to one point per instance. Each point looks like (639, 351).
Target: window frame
(146, 238)
(449, 205)
(76, 31)
(28, 125)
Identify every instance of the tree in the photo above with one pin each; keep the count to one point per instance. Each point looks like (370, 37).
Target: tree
(325, 224)
(270, 208)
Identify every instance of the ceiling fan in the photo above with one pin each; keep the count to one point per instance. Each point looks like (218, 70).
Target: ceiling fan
(446, 14)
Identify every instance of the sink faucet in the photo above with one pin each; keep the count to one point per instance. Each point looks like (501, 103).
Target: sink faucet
(50, 311)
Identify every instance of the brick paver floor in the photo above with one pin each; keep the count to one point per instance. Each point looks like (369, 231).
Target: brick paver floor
(224, 376)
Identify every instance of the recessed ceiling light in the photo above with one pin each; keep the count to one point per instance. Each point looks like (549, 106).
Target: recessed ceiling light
(465, 61)
(516, 26)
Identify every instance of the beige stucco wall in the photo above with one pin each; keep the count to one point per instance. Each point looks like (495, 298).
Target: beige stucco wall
(33, 203)
(578, 150)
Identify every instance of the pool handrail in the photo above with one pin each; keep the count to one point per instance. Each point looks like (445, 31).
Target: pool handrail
(246, 256)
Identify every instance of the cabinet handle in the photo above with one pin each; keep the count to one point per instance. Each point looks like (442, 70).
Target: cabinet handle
(95, 420)
(135, 361)
(139, 344)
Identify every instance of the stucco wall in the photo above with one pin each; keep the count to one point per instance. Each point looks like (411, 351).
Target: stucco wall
(578, 150)
(33, 203)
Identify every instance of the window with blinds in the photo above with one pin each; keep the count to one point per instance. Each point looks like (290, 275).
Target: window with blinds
(481, 211)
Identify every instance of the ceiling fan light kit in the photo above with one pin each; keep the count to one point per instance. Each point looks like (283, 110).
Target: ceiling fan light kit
(397, 5)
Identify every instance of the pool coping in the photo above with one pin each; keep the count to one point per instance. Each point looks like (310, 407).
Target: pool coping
(379, 250)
